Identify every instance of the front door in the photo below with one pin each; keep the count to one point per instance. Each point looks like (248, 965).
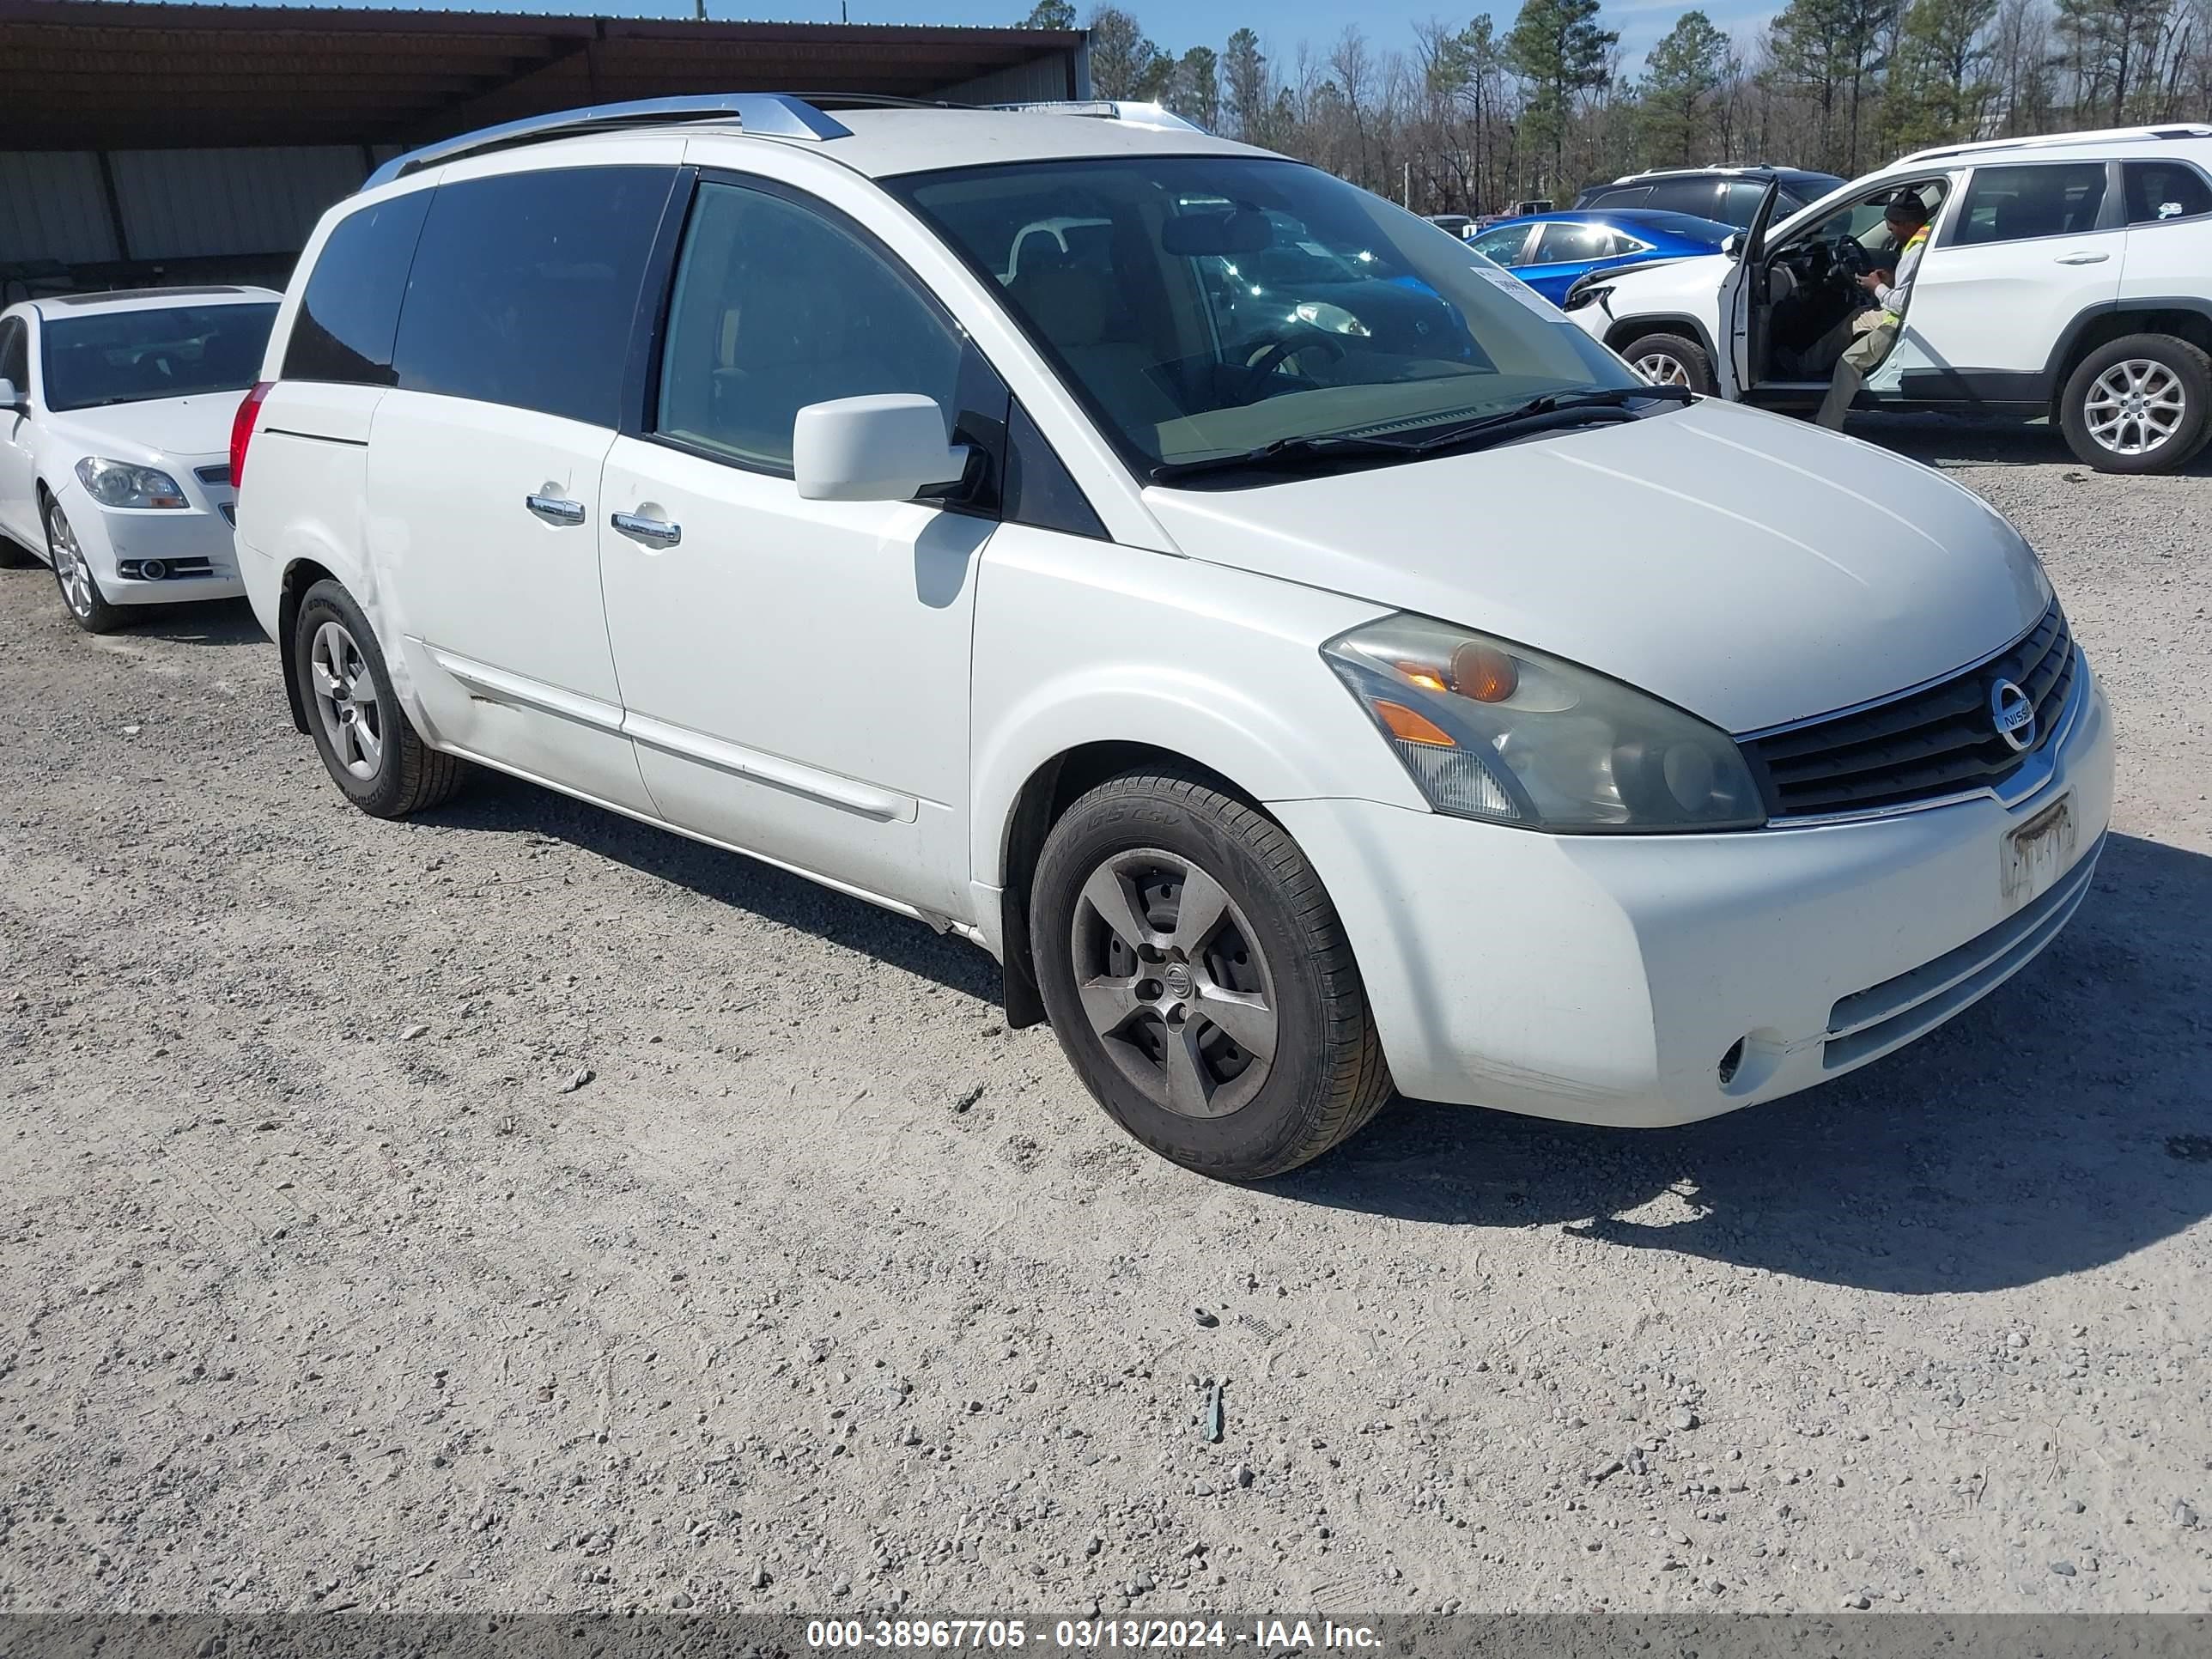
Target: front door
(484, 465)
(2029, 248)
(19, 514)
(795, 673)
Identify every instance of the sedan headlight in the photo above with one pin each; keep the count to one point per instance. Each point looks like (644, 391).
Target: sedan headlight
(1495, 731)
(118, 484)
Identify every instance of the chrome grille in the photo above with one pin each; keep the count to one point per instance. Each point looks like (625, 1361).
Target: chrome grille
(1927, 744)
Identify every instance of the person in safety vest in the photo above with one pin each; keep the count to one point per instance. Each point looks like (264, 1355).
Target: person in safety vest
(1876, 327)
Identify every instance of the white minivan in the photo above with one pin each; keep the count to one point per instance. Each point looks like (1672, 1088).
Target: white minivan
(1306, 674)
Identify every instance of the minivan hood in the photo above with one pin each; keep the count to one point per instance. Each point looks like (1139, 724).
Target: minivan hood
(1750, 568)
(158, 429)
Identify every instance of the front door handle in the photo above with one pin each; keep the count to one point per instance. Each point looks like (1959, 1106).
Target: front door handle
(659, 532)
(554, 510)
(2083, 258)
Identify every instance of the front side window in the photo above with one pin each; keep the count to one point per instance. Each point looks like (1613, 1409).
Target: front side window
(778, 305)
(2158, 190)
(16, 354)
(1866, 220)
(2010, 205)
(1700, 197)
(1503, 244)
(524, 288)
(1230, 302)
(1740, 202)
(168, 351)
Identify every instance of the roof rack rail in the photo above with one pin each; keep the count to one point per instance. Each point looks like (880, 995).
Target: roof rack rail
(2057, 140)
(1109, 109)
(770, 114)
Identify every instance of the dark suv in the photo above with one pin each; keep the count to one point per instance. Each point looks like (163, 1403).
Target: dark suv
(1728, 194)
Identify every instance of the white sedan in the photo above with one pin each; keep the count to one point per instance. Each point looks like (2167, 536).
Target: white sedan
(115, 418)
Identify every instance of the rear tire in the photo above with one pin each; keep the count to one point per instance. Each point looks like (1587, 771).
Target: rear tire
(87, 606)
(371, 749)
(2141, 404)
(1231, 1034)
(1672, 360)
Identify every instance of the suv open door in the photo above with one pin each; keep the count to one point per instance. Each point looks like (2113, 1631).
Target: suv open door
(1745, 303)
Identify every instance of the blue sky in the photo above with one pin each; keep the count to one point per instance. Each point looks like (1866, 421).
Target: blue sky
(1177, 24)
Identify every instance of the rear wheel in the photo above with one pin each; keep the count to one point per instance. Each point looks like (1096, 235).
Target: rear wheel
(369, 746)
(2141, 404)
(1199, 979)
(1671, 360)
(81, 596)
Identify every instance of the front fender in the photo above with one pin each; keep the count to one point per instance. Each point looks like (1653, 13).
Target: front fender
(1080, 643)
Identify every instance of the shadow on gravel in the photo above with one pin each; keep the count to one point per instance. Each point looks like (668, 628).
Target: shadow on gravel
(2059, 1124)
(1943, 441)
(495, 801)
(210, 622)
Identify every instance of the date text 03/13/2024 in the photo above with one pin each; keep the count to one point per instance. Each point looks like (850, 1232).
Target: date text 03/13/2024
(1261, 1635)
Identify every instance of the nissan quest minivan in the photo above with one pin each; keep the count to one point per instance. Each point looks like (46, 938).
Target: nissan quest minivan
(1192, 579)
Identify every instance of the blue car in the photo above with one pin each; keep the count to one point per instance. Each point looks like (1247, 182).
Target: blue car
(1550, 251)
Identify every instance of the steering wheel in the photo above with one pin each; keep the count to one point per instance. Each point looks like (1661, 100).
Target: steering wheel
(1282, 346)
(1849, 257)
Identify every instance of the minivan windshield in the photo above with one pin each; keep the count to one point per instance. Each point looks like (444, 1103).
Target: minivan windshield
(1219, 305)
(165, 351)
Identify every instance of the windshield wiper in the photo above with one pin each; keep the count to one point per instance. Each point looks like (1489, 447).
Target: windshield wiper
(1541, 409)
(1287, 454)
(1300, 453)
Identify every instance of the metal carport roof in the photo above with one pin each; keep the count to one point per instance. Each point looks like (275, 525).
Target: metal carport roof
(103, 75)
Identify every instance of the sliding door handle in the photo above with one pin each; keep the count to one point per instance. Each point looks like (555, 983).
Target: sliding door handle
(554, 510)
(657, 531)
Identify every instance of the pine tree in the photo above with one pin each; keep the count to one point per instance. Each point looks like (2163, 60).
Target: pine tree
(1248, 94)
(1195, 93)
(1556, 47)
(1050, 15)
(1938, 81)
(1123, 63)
(1681, 73)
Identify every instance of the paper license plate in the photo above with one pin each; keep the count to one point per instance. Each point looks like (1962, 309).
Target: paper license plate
(2037, 853)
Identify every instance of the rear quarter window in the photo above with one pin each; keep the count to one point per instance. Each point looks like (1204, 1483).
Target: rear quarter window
(350, 310)
(525, 288)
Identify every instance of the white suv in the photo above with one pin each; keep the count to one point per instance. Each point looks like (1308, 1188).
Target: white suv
(732, 473)
(2068, 277)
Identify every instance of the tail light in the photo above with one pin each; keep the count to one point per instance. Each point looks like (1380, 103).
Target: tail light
(241, 428)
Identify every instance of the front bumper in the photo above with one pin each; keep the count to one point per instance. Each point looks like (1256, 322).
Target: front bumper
(1604, 979)
(115, 540)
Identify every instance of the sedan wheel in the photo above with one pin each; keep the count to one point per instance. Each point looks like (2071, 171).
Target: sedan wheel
(88, 607)
(1170, 982)
(345, 701)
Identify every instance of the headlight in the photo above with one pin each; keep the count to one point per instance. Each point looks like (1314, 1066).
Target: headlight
(1319, 313)
(1579, 296)
(1494, 731)
(118, 484)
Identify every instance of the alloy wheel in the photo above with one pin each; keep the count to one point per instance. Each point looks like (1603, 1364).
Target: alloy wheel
(2135, 407)
(71, 572)
(345, 701)
(1172, 981)
(1661, 369)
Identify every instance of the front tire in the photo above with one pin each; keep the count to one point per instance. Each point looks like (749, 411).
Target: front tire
(1199, 979)
(81, 596)
(371, 749)
(2141, 404)
(1672, 360)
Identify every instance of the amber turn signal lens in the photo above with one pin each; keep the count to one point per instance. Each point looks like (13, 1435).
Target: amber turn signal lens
(1426, 678)
(1411, 727)
(1483, 672)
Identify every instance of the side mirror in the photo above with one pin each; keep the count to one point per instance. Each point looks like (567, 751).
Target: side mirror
(14, 397)
(1734, 245)
(889, 446)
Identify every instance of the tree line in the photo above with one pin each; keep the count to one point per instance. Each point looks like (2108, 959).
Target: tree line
(1470, 119)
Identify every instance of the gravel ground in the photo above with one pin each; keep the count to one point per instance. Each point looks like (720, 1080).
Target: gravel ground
(521, 1208)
